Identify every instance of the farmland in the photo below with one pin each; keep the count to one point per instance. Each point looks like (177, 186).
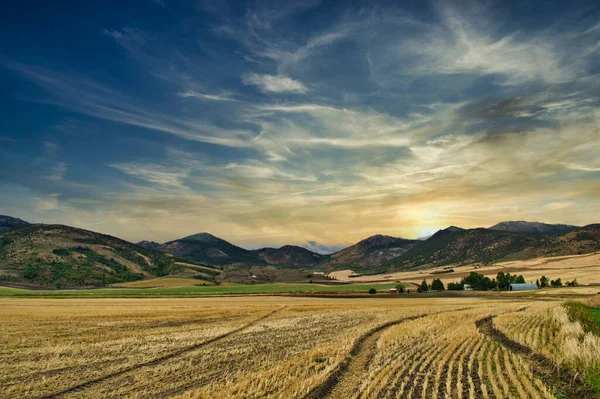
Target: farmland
(584, 268)
(288, 347)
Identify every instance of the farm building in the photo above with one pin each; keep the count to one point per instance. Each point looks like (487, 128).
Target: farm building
(522, 287)
(393, 290)
(467, 287)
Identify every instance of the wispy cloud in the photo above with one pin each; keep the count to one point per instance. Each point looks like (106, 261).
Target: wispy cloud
(201, 96)
(274, 84)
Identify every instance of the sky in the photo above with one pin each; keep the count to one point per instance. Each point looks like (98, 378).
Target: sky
(315, 123)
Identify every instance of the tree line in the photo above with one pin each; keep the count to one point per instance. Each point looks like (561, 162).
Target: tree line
(479, 282)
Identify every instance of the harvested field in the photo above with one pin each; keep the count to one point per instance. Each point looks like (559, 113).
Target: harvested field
(585, 268)
(276, 347)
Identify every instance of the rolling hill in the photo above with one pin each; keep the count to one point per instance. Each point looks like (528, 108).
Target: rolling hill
(371, 252)
(206, 248)
(62, 256)
(290, 255)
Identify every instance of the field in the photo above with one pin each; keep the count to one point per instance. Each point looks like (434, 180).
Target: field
(584, 268)
(167, 287)
(290, 347)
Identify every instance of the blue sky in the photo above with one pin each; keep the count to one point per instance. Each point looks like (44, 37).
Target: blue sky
(310, 122)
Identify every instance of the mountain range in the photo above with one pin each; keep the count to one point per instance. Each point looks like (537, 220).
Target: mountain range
(66, 256)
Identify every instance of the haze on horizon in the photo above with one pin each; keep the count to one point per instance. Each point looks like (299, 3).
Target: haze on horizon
(305, 122)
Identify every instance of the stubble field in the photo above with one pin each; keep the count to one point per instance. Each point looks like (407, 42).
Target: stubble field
(285, 347)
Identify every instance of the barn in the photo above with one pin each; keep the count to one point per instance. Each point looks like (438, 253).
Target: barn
(393, 290)
(522, 287)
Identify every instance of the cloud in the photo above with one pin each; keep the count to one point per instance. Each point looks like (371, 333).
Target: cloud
(50, 148)
(201, 96)
(88, 97)
(57, 171)
(47, 203)
(274, 84)
(157, 174)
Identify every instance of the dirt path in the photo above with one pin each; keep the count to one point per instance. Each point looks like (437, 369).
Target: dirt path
(344, 381)
(89, 384)
(542, 367)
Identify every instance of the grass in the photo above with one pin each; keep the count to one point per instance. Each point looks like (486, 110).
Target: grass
(588, 317)
(192, 291)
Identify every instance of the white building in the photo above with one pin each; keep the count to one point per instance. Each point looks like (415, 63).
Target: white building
(522, 287)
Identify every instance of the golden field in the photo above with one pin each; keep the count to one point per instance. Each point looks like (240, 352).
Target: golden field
(584, 268)
(282, 347)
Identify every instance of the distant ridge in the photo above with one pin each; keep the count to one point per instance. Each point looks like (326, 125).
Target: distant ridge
(372, 251)
(149, 244)
(290, 255)
(207, 248)
(534, 228)
(9, 223)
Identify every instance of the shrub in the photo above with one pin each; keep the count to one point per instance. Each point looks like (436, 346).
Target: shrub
(372, 291)
(31, 272)
(61, 252)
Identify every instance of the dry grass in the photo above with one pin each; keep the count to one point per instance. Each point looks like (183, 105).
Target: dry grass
(48, 346)
(584, 268)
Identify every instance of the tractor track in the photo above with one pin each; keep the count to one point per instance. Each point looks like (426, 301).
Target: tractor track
(172, 355)
(542, 367)
(341, 383)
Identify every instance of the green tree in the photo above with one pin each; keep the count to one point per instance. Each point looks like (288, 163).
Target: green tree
(455, 286)
(31, 272)
(556, 283)
(372, 291)
(437, 285)
(544, 282)
(424, 287)
(400, 288)
(479, 282)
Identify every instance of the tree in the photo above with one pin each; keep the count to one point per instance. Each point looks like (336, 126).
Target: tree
(544, 282)
(556, 283)
(372, 291)
(424, 287)
(437, 285)
(505, 280)
(400, 288)
(455, 286)
(479, 282)
(537, 282)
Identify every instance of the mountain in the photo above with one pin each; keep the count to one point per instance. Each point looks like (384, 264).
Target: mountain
(149, 244)
(371, 252)
(452, 246)
(290, 255)
(534, 228)
(581, 241)
(61, 256)
(206, 248)
(9, 223)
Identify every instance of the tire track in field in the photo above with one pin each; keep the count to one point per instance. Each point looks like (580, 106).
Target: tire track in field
(172, 355)
(542, 367)
(342, 382)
